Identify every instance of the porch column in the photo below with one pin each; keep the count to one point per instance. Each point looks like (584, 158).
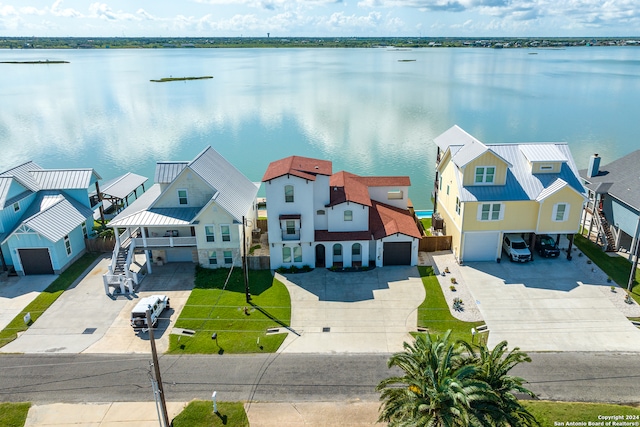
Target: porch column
(532, 243)
(570, 236)
(144, 236)
(149, 261)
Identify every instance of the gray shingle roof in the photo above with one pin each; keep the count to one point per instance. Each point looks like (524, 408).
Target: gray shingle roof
(53, 215)
(622, 177)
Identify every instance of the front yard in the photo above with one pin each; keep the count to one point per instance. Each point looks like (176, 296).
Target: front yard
(217, 305)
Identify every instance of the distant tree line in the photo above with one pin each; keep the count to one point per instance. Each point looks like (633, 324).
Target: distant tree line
(297, 42)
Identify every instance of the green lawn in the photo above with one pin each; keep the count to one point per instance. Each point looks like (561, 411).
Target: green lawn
(13, 414)
(549, 413)
(199, 413)
(434, 314)
(210, 309)
(426, 223)
(43, 301)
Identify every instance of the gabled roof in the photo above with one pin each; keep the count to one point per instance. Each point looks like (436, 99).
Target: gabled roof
(455, 135)
(556, 186)
(348, 187)
(64, 179)
(543, 153)
(22, 173)
(233, 192)
(302, 167)
(166, 172)
(622, 177)
(53, 215)
(385, 220)
(464, 148)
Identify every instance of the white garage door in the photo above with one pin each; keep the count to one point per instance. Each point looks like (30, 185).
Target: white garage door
(480, 246)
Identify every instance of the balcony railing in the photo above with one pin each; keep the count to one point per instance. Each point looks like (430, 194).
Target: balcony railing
(287, 235)
(164, 242)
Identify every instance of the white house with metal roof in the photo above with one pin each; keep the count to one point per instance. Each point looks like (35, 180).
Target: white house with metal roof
(483, 191)
(44, 217)
(194, 212)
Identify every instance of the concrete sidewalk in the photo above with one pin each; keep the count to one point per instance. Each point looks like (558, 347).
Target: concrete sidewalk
(325, 414)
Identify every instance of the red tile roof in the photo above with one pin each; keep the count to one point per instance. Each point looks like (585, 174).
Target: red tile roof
(302, 167)
(347, 187)
(385, 220)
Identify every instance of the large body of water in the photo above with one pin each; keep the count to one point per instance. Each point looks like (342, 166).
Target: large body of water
(369, 111)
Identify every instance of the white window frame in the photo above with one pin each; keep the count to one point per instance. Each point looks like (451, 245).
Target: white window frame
(67, 245)
(228, 260)
(186, 196)
(289, 198)
(84, 230)
(348, 215)
(226, 237)
(491, 213)
(484, 175)
(297, 254)
(565, 214)
(458, 205)
(290, 227)
(211, 235)
(213, 258)
(286, 254)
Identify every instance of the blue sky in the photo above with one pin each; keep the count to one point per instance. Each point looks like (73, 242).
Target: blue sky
(339, 18)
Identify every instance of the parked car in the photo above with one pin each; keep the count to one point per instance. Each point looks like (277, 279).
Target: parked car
(156, 304)
(546, 246)
(516, 248)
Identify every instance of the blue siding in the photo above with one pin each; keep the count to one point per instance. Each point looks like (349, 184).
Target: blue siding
(617, 213)
(81, 196)
(9, 218)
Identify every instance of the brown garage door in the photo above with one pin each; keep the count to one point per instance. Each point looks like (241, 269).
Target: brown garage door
(397, 253)
(35, 261)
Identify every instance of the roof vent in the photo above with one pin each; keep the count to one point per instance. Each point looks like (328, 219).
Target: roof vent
(317, 167)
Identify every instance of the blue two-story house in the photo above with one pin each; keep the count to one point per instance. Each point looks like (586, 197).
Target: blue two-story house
(45, 217)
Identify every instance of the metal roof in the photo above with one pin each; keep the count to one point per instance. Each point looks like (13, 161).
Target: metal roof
(142, 203)
(53, 215)
(22, 173)
(157, 217)
(64, 179)
(166, 172)
(123, 185)
(521, 184)
(623, 177)
(236, 193)
(542, 153)
(557, 185)
(469, 152)
(453, 136)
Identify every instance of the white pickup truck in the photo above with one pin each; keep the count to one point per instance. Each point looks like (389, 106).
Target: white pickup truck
(155, 303)
(516, 248)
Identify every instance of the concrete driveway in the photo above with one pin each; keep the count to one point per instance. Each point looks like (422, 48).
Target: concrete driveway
(356, 312)
(550, 305)
(84, 319)
(17, 292)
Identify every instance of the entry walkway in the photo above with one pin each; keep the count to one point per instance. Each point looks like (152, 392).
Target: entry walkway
(355, 312)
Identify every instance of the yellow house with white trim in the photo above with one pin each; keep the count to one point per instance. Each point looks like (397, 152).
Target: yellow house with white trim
(483, 191)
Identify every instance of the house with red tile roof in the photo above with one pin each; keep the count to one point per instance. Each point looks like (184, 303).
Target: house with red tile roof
(321, 219)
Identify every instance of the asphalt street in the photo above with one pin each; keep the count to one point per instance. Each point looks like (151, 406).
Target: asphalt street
(598, 377)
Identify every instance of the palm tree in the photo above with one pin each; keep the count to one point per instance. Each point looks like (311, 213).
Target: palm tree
(494, 367)
(438, 389)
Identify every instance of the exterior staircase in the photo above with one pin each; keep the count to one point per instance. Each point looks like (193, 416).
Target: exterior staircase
(604, 225)
(121, 261)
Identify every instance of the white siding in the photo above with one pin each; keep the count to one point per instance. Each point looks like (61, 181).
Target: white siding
(360, 221)
(381, 194)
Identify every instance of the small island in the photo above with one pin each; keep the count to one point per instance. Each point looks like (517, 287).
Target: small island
(174, 79)
(34, 62)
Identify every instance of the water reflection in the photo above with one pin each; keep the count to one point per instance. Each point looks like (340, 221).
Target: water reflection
(365, 110)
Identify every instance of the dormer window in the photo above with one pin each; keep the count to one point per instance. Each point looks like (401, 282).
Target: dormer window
(485, 174)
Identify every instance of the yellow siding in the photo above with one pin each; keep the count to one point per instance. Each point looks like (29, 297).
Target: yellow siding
(536, 167)
(451, 230)
(487, 159)
(447, 202)
(572, 224)
(518, 216)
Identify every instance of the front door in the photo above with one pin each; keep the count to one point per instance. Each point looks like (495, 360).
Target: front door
(320, 262)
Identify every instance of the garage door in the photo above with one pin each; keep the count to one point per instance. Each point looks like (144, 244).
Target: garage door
(480, 246)
(397, 253)
(180, 255)
(35, 261)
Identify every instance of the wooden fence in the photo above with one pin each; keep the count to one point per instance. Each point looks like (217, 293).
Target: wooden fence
(435, 243)
(100, 244)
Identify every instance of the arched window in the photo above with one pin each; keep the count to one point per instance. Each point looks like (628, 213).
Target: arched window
(288, 193)
(337, 249)
(356, 249)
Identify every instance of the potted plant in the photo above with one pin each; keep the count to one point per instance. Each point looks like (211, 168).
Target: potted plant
(453, 288)
(453, 280)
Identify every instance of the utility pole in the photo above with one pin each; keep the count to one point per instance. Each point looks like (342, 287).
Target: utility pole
(156, 368)
(245, 267)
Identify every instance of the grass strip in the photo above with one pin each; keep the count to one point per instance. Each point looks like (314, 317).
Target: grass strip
(434, 313)
(240, 327)
(199, 413)
(579, 413)
(47, 297)
(14, 414)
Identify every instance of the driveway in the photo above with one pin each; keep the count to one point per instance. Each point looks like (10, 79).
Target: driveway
(84, 319)
(550, 304)
(17, 292)
(355, 312)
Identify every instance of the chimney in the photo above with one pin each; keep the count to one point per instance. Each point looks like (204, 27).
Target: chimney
(594, 166)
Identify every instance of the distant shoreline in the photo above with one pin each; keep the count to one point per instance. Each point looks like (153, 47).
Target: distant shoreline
(34, 62)
(176, 79)
(308, 42)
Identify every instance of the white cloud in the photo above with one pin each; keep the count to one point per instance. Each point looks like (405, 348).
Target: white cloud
(56, 10)
(30, 10)
(103, 11)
